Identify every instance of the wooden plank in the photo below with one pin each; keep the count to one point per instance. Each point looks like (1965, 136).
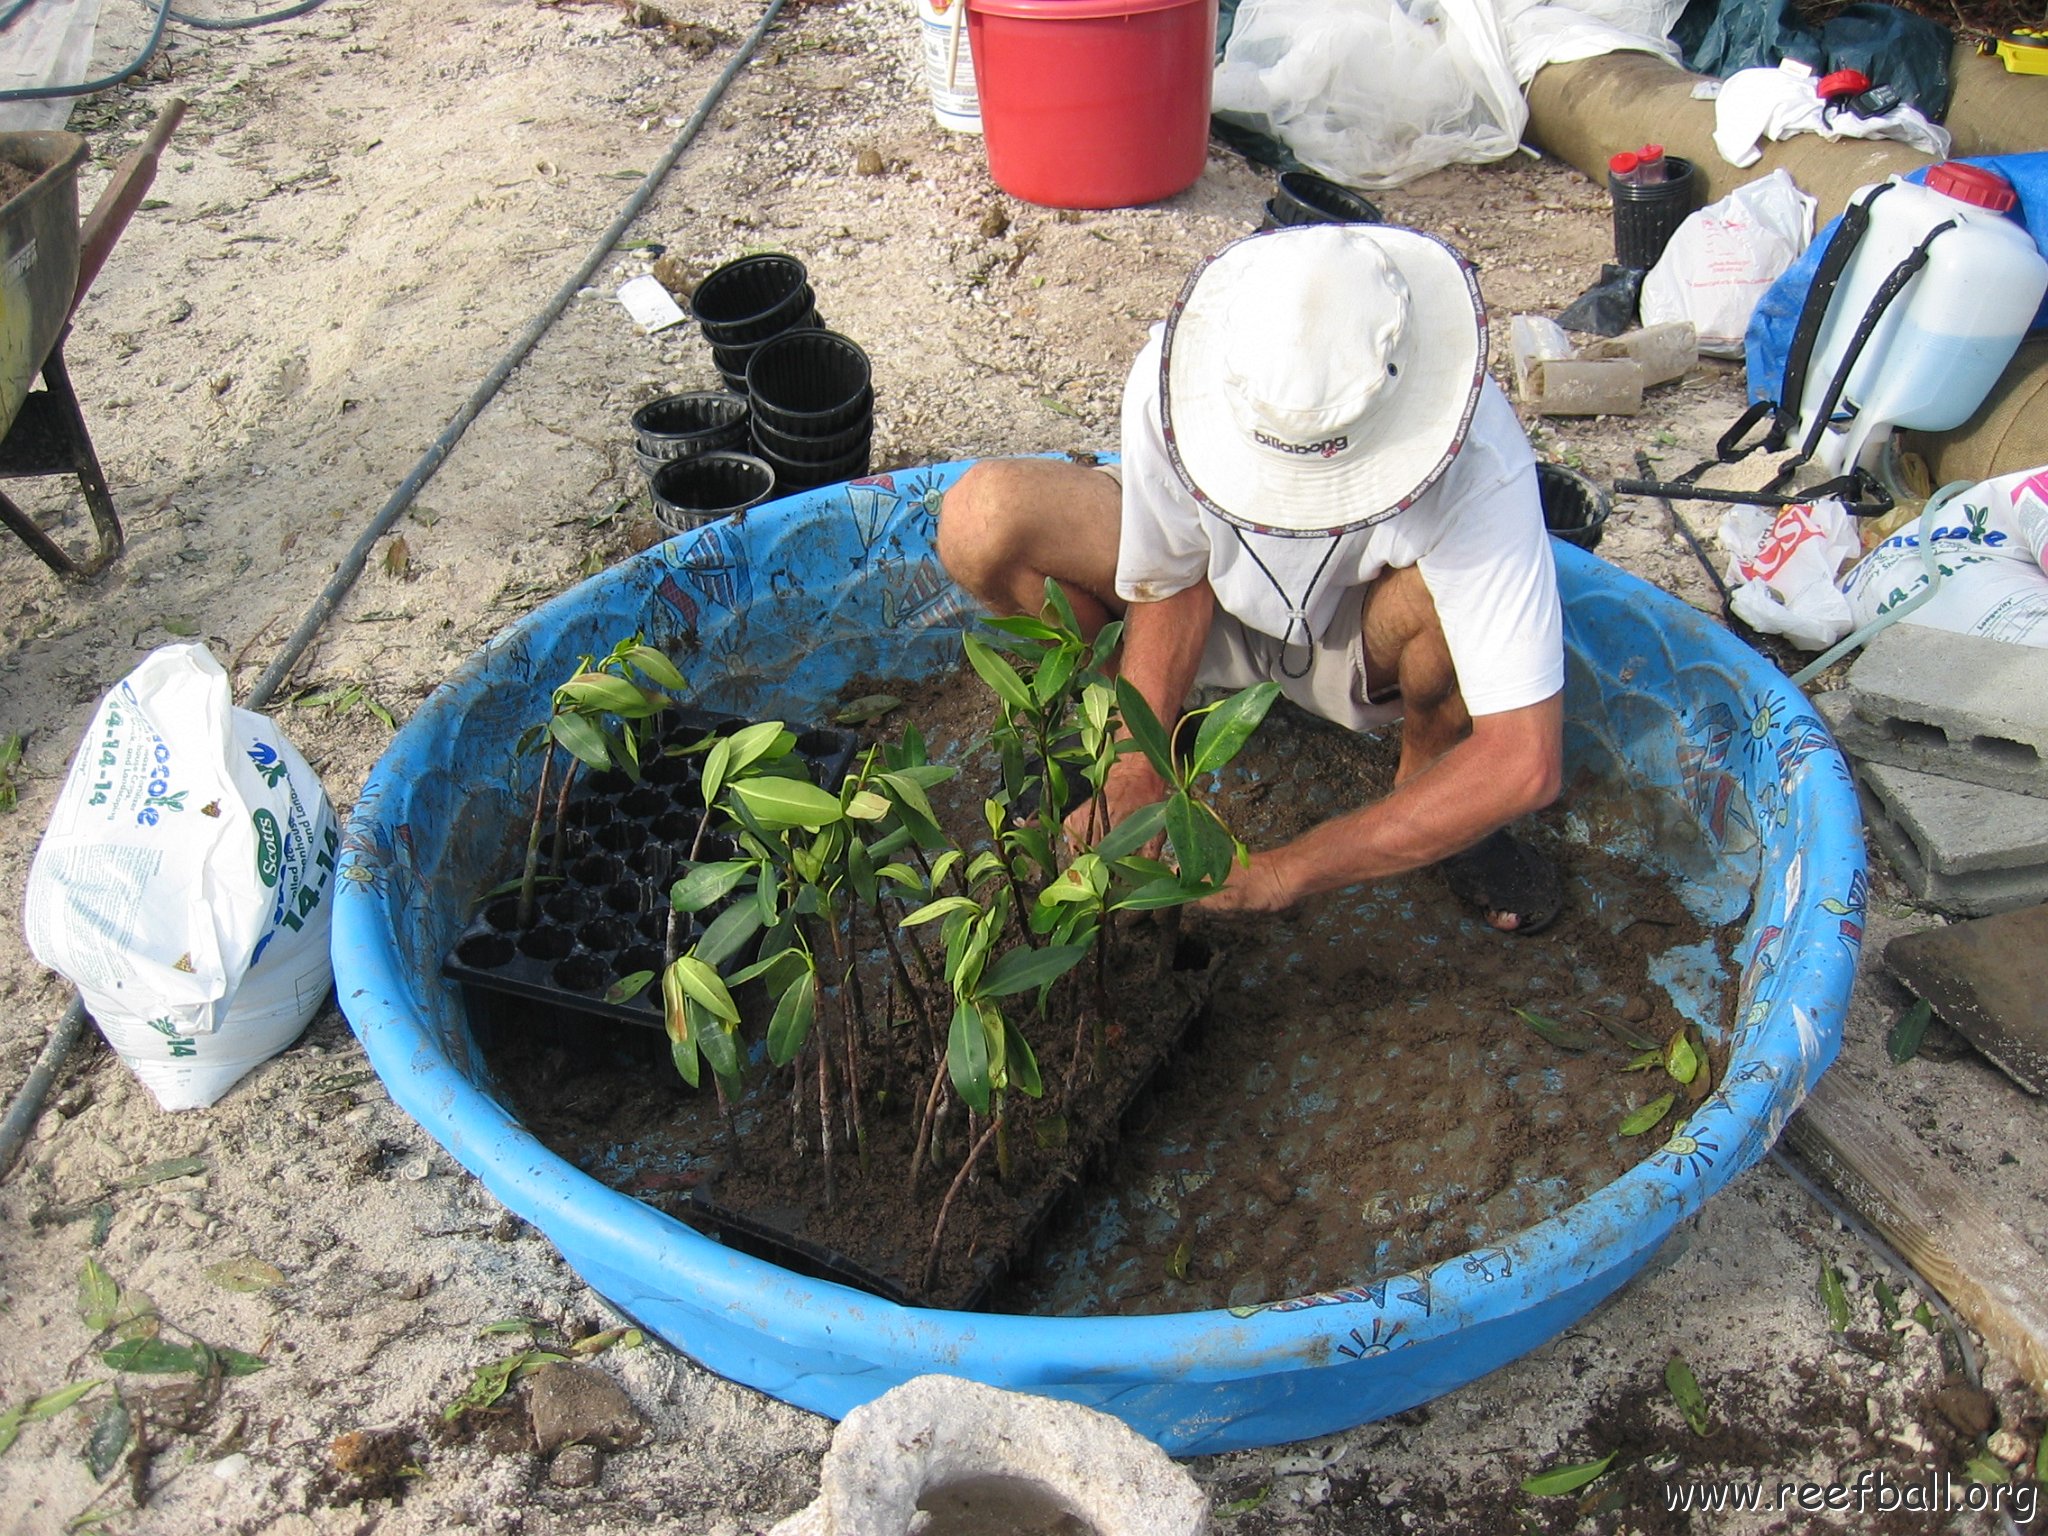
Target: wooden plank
(1987, 979)
(1994, 1279)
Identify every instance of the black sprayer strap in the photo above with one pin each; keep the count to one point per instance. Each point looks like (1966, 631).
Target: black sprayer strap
(1880, 301)
(1820, 295)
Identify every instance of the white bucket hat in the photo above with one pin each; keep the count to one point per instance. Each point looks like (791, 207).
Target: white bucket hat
(1319, 378)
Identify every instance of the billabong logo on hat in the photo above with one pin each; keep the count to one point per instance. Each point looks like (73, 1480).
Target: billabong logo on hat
(1328, 448)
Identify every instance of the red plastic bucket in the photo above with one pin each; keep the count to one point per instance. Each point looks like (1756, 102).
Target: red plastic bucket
(1094, 103)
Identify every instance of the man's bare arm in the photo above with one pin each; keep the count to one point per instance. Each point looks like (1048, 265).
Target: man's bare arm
(1510, 765)
(1162, 650)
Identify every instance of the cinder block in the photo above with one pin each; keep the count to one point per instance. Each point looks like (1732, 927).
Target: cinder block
(1958, 706)
(1961, 847)
(977, 1458)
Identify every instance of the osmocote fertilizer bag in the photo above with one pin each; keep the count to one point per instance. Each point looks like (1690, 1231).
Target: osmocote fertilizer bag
(183, 885)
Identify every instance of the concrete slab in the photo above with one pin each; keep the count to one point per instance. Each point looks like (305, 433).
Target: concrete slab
(1986, 979)
(1960, 847)
(1959, 706)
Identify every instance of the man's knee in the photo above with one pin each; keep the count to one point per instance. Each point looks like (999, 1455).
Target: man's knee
(976, 517)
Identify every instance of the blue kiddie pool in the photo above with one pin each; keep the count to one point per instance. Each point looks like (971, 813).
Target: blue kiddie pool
(1734, 789)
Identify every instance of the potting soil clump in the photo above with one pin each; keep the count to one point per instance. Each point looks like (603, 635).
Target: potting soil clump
(1259, 1109)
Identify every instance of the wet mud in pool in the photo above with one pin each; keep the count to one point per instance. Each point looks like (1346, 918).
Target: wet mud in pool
(1360, 1097)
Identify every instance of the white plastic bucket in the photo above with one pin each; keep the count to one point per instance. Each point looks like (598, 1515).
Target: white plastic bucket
(1949, 334)
(948, 64)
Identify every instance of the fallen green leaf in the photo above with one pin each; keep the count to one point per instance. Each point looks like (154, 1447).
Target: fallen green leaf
(102, 1224)
(513, 1325)
(246, 1274)
(1986, 1468)
(1564, 1039)
(1569, 1479)
(1051, 1132)
(1247, 1504)
(157, 1173)
(10, 759)
(1056, 405)
(239, 1362)
(180, 627)
(868, 707)
(1903, 1043)
(109, 1438)
(1887, 1302)
(1177, 1264)
(1650, 1058)
(1618, 1028)
(1680, 1059)
(598, 1343)
(1835, 1298)
(1648, 1117)
(155, 1357)
(1924, 1316)
(1685, 1391)
(494, 1380)
(99, 1298)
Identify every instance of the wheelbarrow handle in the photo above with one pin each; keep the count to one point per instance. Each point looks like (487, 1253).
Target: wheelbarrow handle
(124, 194)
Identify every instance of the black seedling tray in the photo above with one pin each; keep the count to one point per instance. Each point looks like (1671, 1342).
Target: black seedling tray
(605, 914)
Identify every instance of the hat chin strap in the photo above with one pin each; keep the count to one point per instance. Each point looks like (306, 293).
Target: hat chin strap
(1297, 612)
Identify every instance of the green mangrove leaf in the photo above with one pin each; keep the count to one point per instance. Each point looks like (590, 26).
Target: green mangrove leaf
(869, 706)
(945, 906)
(1568, 1479)
(789, 803)
(1680, 1059)
(1133, 832)
(1649, 1116)
(794, 1012)
(967, 1057)
(1564, 1038)
(1227, 726)
(1834, 1297)
(1000, 676)
(727, 934)
(1685, 1391)
(1902, 1044)
(1146, 731)
(703, 985)
(99, 1298)
(1027, 970)
(706, 884)
(1020, 1062)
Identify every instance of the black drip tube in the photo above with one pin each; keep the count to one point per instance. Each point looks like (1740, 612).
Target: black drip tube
(28, 1102)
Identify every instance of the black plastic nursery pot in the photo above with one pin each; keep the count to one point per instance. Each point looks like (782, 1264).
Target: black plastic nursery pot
(810, 383)
(746, 301)
(1306, 198)
(700, 421)
(1574, 508)
(706, 486)
(802, 475)
(829, 447)
(1647, 214)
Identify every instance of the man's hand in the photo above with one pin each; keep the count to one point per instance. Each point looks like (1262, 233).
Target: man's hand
(1130, 785)
(1253, 887)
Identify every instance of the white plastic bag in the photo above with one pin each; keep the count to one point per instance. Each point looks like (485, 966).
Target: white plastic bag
(1725, 256)
(1991, 546)
(1782, 570)
(1373, 93)
(183, 884)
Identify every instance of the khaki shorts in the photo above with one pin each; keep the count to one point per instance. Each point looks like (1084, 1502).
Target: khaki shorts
(1332, 683)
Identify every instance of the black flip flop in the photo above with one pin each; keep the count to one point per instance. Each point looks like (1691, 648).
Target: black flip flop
(1501, 873)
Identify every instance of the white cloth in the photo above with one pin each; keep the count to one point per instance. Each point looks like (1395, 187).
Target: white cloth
(1755, 104)
(1477, 537)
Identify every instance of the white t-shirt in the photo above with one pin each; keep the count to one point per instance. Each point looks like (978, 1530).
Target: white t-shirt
(1477, 536)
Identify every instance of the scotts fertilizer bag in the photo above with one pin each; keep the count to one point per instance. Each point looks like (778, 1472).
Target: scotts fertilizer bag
(185, 884)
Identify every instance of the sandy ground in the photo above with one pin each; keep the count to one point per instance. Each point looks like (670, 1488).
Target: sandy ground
(363, 207)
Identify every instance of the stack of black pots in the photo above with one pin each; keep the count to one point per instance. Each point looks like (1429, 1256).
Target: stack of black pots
(813, 404)
(692, 447)
(747, 303)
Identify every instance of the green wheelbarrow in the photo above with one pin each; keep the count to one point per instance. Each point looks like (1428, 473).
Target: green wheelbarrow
(47, 261)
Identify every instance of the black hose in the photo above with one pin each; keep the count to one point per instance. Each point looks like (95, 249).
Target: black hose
(135, 66)
(243, 23)
(27, 1104)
